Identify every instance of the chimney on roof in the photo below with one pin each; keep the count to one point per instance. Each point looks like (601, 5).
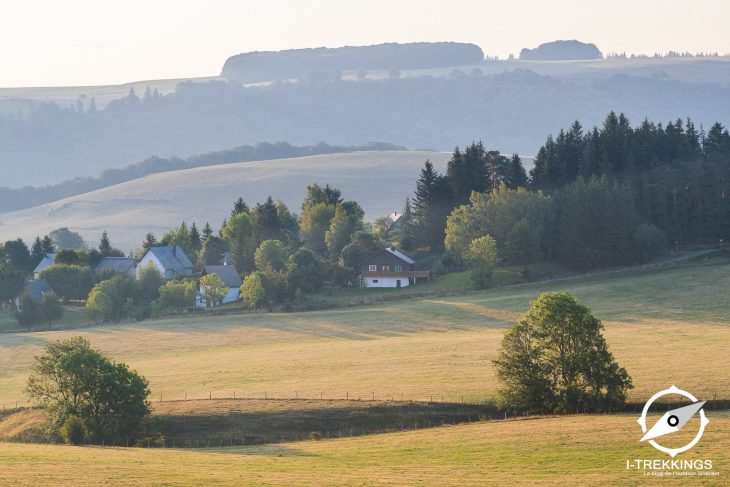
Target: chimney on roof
(226, 255)
(392, 248)
(174, 250)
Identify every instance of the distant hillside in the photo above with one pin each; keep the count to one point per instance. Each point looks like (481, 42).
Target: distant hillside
(561, 51)
(378, 180)
(512, 110)
(26, 197)
(251, 67)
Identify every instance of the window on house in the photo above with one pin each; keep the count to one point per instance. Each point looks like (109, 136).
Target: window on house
(372, 268)
(399, 268)
(386, 267)
(375, 281)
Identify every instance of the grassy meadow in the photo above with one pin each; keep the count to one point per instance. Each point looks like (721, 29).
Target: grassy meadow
(665, 326)
(573, 450)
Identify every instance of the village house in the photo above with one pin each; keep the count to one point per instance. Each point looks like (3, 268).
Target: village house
(44, 264)
(36, 289)
(121, 265)
(390, 268)
(171, 261)
(230, 277)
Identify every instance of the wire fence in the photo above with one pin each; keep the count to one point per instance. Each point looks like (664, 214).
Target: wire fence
(716, 399)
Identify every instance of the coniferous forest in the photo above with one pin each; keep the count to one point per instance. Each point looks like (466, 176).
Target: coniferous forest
(611, 195)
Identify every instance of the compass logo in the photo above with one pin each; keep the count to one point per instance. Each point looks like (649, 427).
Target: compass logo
(673, 421)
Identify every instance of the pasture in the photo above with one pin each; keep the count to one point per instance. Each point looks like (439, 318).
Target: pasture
(665, 326)
(572, 450)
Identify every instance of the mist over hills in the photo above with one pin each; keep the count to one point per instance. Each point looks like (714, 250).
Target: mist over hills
(510, 105)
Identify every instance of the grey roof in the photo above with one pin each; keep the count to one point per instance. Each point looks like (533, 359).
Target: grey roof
(228, 273)
(45, 263)
(36, 289)
(173, 258)
(400, 255)
(117, 264)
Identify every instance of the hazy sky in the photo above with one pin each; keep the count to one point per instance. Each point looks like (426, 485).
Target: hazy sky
(84, 42)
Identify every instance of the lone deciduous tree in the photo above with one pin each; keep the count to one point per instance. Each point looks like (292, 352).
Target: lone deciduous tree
(72, 379)
(555, 359)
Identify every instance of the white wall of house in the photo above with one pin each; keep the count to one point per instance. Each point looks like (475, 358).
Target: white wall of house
(230, 297)
(150, 257)
(386, 281)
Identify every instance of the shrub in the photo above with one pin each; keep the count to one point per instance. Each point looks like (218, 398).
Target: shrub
(73, 431)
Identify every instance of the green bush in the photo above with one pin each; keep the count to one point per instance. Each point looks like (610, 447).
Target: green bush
(73, 431)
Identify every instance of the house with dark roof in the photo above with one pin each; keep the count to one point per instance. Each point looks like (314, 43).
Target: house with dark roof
(122, 265)
(390, 268)
(36, 289)
(171, 261)
(44, 264)
(230, 277)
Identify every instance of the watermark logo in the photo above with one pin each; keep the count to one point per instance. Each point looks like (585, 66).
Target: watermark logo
(673, 421)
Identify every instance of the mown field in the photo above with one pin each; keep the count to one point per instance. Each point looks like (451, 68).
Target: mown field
(573, 450)
(665, 326)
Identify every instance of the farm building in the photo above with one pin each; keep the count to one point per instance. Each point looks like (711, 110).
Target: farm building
(231, 279)
(122, 265)
(36, 289)
(44, 264)
(390, 268)
(171, 261)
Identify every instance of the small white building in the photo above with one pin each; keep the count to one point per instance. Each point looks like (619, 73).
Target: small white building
(171, 261)
(44, 264)
(390, 268)
(230, 277)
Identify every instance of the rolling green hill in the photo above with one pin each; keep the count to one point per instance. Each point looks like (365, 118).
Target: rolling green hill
(573, 450)
(378, 180)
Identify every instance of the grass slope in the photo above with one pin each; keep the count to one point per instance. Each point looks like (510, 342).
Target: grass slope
(378, 181)
(577, 450)
(665, 326)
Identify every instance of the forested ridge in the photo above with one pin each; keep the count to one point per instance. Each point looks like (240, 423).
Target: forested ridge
(512, 111)
(612, 195)
(678, 175)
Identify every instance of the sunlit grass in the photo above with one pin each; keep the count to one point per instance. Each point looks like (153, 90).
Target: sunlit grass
(578, 450)
(665, 327)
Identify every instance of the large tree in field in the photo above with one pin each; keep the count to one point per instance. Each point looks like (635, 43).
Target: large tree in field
(555, 359)
(71, 379)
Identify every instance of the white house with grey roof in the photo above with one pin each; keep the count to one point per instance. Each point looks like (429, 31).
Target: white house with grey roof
(230, 277)
(171, 261)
